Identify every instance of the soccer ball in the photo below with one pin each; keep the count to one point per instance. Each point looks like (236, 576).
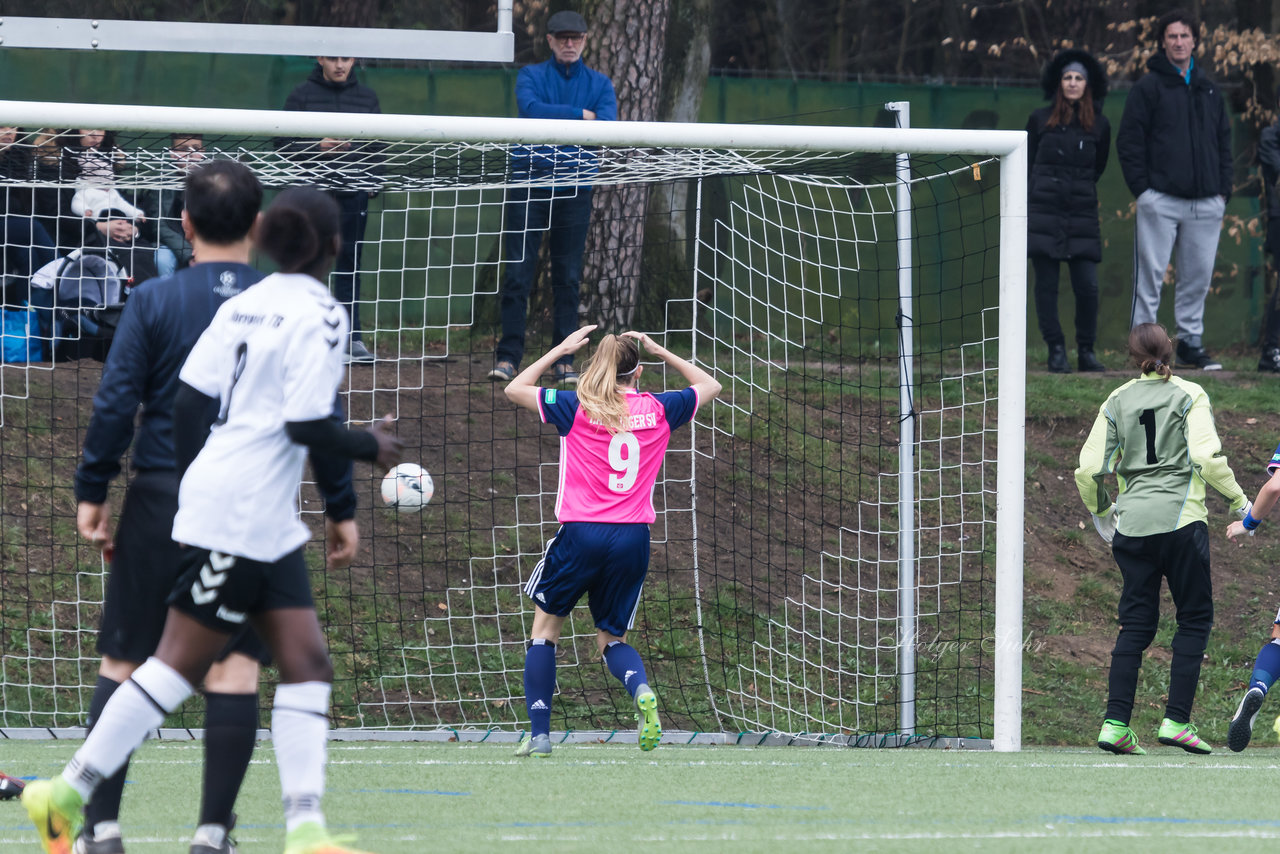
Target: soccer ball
(408, 486)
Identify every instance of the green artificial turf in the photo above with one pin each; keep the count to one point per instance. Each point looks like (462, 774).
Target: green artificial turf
(451, 797)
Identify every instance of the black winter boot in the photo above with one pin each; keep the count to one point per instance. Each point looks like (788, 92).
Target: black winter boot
(1087, 361)
(1058, 359)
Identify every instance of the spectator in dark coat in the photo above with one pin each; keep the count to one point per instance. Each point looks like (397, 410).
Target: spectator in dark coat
(1174, 147)
(1068, 142)
(1269, 157)
(346, 168)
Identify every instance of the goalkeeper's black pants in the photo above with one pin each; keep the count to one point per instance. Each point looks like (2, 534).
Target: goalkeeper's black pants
(1182, 557)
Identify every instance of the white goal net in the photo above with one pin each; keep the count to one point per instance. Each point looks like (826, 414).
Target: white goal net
(837, 554)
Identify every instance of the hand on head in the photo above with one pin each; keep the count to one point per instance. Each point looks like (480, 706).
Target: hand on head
(577, 340)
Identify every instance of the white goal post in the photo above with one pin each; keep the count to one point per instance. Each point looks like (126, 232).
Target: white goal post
(738, 336)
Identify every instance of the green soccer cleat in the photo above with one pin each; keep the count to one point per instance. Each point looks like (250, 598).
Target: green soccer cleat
(55, 809)
(650, 727)
(1118, 738)
(312, 838)
(1184, 736)
(534, 745)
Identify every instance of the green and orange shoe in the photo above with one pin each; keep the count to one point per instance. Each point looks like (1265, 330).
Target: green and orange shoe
(56, 810)
(1119, 738)
(312, 838)
(1183, 735)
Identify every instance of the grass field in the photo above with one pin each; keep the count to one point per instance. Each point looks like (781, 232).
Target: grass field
(477, 798)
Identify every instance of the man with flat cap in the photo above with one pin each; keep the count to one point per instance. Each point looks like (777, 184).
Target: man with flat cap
(556, 197)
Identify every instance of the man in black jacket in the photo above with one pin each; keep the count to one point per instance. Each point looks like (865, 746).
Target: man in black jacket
(1174, 147)
(346, 167)
(1269, 157)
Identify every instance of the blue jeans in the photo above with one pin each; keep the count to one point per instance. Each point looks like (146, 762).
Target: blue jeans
(564, 214)
(27, 246)
(353, 210)
(166, 261)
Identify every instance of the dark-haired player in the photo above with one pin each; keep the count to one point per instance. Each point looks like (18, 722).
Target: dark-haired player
(1156, 434)
(262, 380)
(161, 322)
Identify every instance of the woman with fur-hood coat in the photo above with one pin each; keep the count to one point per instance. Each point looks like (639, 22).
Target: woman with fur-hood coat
(1068, 144)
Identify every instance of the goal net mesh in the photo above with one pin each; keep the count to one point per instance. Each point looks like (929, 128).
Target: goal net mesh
(773, 596)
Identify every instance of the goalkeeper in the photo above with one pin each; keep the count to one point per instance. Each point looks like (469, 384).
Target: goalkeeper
(1156, 434)
(1267, 666)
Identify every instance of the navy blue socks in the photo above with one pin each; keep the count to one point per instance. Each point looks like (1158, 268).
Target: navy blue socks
(539, 684)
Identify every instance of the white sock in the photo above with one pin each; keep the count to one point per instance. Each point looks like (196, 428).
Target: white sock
(300, 733)
(137, 707)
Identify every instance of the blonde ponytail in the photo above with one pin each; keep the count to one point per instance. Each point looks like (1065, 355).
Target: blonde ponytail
(612, 365)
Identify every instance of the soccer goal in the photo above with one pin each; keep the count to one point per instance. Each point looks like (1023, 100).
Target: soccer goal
(838, 551)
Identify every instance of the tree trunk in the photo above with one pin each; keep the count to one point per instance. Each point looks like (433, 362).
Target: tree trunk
(684, 77)
(626, 43)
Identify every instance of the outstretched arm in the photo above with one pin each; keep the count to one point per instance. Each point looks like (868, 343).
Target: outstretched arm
(1258, 511)
(706, 386)
(523, 390)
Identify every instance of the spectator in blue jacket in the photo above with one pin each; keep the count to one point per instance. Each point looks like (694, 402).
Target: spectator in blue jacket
(557, 201)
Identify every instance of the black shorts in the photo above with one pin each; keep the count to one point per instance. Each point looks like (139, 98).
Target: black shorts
(221, 591)
(146, 565)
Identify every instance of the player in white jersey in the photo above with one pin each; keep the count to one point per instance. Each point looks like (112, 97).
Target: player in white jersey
(612, 441)
(265, 375)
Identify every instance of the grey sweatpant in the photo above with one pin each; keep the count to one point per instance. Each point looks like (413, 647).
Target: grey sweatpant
(1190, 227)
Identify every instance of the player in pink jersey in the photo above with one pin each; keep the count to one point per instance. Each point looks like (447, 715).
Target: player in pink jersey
(612, 441)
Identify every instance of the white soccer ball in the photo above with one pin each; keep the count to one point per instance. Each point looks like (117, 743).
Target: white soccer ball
(408, 486)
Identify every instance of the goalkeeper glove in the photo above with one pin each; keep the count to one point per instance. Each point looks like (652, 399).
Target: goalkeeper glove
(1106, 524)
(1244, 509)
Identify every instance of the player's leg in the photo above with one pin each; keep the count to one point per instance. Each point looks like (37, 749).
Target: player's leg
(145, 565)
(230, 732)
(154, 690)
(285, 618)
(525, 220)
(1139, 613)
(102, 833)
(540, 682)
(614, 598)
(555, 587)
(1186, 561)
(1155, 226)
(1266, 668)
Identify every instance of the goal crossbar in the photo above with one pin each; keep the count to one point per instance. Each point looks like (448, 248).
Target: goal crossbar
(996, 143)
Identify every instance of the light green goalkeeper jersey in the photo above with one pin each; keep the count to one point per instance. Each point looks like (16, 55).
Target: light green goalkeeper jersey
(1159, 440)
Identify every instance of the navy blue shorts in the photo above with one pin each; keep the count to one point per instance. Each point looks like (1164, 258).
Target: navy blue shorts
(605, 560)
